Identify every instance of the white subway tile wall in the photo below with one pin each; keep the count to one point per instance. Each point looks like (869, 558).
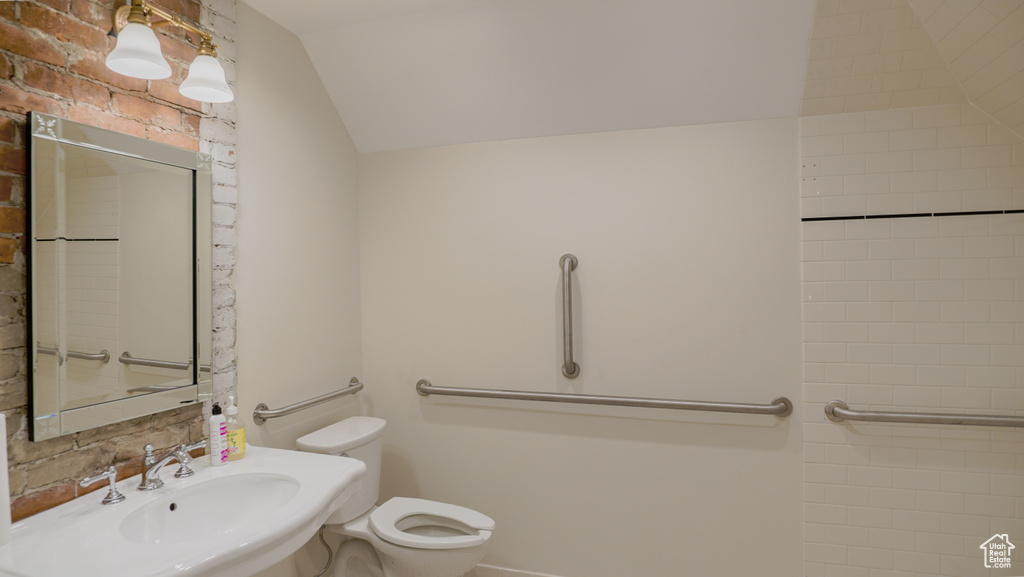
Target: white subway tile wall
(91, 321)
(982, 43)
(921, 313)
(44, 278)
(949, 158)
(873, 55)
(90, 289)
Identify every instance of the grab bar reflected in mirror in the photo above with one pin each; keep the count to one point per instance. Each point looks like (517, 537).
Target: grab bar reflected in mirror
(102, 356)
(154, 388)
(127, 359)
(41, 350)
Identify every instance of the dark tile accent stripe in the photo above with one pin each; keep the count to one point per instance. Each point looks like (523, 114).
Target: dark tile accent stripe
(77, 239)
(910, 215)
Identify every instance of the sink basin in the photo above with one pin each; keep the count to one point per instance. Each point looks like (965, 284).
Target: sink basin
(229, 521)
(186, 514)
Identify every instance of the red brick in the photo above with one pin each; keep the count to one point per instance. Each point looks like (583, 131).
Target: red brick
(12, 159)
(61, 5)
(60, 26)
(15, 100)
(78, 89)
(146, 111)
(6, 68)
(7, 11)
(173, 138)
(175, 48)
(12, 219)
(168, 92)
(8, 129)
(8, 248)
(191, 123)
(187, 9)
(102, 119)
(90, 64)
(6, 188)
(42, 500)
(101, 15)
(21, 42)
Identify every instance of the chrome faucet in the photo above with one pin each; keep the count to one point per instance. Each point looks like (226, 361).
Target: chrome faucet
(113, 495)
(151, 464)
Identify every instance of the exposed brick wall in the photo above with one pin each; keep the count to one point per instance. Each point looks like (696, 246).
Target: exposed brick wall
(51, 60)
(217, 138)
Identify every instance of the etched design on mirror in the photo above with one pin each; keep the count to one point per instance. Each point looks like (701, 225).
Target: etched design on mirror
(118, 242)
(44, 126)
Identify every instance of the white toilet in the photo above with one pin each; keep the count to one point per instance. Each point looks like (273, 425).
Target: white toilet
(403, 537)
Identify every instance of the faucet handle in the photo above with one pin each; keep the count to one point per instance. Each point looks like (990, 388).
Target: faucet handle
(149, 458)
(113, 495)
(185, 458)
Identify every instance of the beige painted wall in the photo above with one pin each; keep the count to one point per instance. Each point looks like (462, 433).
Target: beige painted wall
(297, 275)
(297, 270)
(687, 288)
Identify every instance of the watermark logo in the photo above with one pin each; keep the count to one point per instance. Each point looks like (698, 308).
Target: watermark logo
(997, 551)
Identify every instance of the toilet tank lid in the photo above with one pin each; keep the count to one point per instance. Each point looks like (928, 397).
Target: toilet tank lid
(342, 436)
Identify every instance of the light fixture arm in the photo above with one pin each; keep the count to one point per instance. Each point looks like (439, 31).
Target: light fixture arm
(139, 11)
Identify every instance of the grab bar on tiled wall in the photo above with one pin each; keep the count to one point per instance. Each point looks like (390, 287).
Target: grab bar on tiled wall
(41, 350)
(102, 356)
(568, 263)
(839, 411)
(780, 406)
(127, 359)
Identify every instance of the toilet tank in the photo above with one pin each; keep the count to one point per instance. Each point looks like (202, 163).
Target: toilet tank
(359, 438)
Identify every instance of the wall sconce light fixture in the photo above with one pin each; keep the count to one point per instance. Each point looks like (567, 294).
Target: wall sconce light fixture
(137, 53)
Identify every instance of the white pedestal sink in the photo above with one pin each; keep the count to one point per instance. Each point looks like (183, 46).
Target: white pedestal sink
(229, 521)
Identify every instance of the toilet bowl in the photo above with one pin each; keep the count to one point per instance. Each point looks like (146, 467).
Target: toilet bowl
(403, 537)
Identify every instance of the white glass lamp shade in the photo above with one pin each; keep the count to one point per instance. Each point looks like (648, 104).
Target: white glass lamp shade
(137, 54)
(205, 81)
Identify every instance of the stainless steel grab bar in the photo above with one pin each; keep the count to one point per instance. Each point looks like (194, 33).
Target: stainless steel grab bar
(41, 350)
(568, 263)
(262, 412)
(128, 359)
(839, 411)
(155, 388)
(780, 406)
(102, 356)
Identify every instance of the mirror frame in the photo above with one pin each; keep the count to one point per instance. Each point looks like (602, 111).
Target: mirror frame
(47, 127)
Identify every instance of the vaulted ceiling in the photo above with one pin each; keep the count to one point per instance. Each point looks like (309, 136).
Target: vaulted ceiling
(882, 54)
(414, 73)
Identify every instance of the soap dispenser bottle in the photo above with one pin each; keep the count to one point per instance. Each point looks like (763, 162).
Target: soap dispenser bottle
(218, 437)
(236, 432)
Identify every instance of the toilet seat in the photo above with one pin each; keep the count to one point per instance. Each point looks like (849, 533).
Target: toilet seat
(394, 520)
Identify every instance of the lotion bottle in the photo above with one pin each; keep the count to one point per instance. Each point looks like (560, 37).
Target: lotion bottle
(236, 432)
(218, 437)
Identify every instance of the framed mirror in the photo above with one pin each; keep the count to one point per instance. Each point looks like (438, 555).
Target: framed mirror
(119, 299)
